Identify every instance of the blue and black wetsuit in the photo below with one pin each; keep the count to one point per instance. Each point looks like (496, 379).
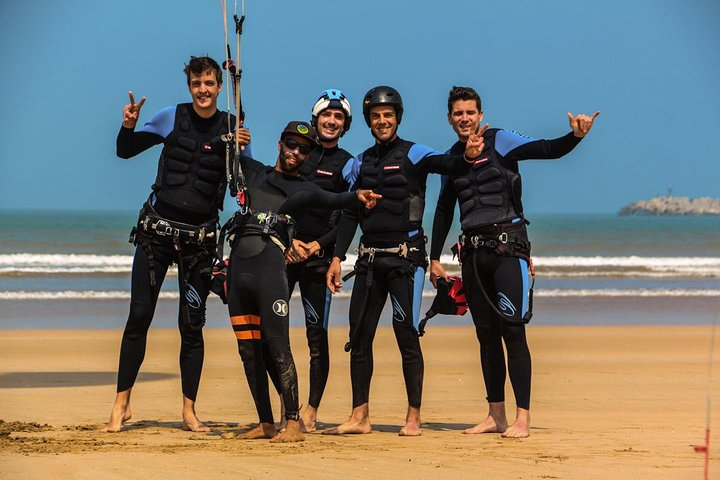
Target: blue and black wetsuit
(258, 292)
(330, 169)
(189, 189)
(495, 250)
(398, 171)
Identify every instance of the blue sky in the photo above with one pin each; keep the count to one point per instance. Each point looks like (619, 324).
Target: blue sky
(650, 66)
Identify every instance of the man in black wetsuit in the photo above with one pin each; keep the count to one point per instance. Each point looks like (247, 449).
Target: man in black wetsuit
(392, 259)
(494, 248)
(329, 167)
(258, 291)
(177, 225)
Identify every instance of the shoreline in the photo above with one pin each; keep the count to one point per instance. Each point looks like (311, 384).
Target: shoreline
(610, 310)
(623, 401)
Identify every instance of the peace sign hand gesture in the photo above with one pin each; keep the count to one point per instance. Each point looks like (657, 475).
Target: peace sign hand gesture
(581, 124)
(131, 112)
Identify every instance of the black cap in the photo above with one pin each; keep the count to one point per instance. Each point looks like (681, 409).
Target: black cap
(301, 130)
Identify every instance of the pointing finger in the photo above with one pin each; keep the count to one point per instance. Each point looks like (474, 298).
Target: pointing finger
(139, 105)
(483, 129)
(132, 98)
(595, 115)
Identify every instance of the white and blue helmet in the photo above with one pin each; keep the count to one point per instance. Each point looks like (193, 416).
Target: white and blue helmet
(332, 98)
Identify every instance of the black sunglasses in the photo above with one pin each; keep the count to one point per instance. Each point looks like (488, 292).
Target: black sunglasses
(293, 144)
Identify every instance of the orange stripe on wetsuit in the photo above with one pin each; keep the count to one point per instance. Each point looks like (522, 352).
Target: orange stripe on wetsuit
(246, 327)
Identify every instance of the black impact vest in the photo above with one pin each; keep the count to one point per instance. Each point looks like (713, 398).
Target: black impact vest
(324, 168)
(268, 195)
(387, 170)
(191, 173)
(488, 193)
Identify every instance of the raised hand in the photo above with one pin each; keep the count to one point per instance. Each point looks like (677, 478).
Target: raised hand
(131, 112)
(475, 143)
(581, 124)
(368, 197)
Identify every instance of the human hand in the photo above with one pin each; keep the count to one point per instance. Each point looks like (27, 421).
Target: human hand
(368, 197)
(436, 271)
(475, 143)
(131, 112)
(581, 124)
(242, 136)
(333, 278)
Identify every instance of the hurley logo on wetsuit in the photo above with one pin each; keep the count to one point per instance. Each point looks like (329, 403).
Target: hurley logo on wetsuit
(207, 147)
(391, 167)
(323, 172)
(481, 161)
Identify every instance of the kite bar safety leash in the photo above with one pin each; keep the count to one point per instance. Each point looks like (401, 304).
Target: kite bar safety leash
(233, 169)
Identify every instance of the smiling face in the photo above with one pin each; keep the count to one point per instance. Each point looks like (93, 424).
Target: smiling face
(330, 124)
(465, 118)
(383, 123)
(204, 91)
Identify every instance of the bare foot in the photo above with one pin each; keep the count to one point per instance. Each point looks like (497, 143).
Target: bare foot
(291, 433)
(521, 427)
(119, 415)
(412, 423)
(190, 420)
(308, 421)
(120, 412)
(352, 426)
(489, 425)
(192, 424)
(359, 422)
(410, 430)
(263, 430)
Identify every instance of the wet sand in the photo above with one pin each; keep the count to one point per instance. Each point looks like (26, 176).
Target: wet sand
(608, 402)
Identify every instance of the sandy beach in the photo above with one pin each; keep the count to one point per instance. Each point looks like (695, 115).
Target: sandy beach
(608, 402)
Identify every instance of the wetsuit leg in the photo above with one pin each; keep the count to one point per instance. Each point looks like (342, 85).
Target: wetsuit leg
(316, 304)
(511, 283)
(192, 347)
(361, 356)
(245, 319)
(272, 299)
(143, 299)
(405, 284)
(488, 327)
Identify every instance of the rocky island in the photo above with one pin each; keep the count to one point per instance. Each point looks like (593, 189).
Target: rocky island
(670, 205)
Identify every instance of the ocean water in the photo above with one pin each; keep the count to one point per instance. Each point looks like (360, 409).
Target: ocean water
(75, 265)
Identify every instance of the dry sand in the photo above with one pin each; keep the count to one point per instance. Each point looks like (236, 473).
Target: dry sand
(608, 402)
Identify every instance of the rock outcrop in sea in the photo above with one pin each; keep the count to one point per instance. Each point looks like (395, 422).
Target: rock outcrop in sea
(673, 206)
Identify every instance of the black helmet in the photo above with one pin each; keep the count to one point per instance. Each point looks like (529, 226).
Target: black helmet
(382, 96)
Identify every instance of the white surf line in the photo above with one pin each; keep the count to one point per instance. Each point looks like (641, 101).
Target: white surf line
(550, 293)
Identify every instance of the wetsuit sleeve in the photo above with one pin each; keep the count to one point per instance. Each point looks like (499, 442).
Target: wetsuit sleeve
(345, 232)
(130, 143)
(328, 238)
(444, 214)
(312, 196)
(514, 147)
(431, 161)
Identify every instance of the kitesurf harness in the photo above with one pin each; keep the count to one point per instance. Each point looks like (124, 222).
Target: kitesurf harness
(152, 228)
(414, 251)
(450, 300)
(233, 170)
(507, 240)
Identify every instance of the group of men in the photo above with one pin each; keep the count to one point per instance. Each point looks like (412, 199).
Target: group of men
(295, 225)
